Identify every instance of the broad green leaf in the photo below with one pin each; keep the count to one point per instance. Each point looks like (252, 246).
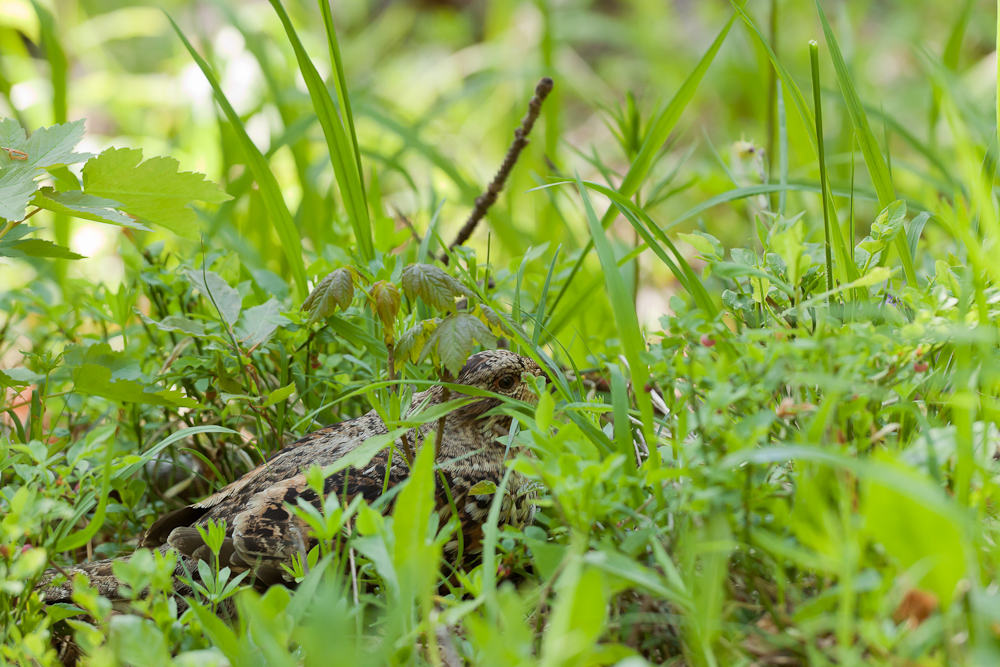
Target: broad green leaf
(789, 244)
(917, 536)
(278, 395)
(410, 344)
(46, 147)
(483, 488)
(454, 339)
(37, 248)
(259, 323)
(434, 286)
(416, 551)
(152, 190)
(88, 207)
(337, 289)
(96, 380)
(706, 244)
(17, 184)
(219, 293)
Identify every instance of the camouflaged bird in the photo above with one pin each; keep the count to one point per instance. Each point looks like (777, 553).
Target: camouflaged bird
(262, 535)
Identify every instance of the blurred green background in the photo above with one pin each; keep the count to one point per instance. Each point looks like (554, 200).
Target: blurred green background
(439, 86)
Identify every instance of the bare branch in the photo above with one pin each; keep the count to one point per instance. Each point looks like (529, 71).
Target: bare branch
(487, 199)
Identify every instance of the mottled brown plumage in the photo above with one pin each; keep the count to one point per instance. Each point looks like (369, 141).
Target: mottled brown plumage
(262, 535)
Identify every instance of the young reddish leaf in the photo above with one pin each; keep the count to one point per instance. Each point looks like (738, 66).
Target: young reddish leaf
(434, 286)
(412, 341)
(453, 340)
(337, 289)
(490, 318)
(386, 300)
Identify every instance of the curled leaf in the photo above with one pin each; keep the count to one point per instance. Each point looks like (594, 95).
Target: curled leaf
(385, 303)
(337, 289)
(412, 341)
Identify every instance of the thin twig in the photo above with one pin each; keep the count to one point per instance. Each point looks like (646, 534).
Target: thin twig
(487, 199)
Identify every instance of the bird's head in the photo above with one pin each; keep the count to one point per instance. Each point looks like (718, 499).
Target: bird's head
(498, 371)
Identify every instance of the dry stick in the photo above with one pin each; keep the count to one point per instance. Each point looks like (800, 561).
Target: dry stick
(488, 198)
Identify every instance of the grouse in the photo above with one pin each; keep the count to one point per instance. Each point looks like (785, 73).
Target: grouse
(263, 536)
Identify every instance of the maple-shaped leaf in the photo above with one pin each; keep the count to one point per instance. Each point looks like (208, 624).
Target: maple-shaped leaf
(490, 318)
(153, 190)
(17, 184)
(386, 302)
(13, 245)
(337, 289)
(23, 157)
(88, 207)
(433, 285)
(411, 342)
(46, 147)
(96, 380)
(453, 340)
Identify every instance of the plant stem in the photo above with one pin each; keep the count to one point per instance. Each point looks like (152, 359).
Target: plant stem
(814, 60)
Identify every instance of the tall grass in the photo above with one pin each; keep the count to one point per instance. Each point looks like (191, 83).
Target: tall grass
(751, 478)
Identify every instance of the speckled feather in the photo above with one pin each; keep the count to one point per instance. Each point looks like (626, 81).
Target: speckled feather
(262, 534)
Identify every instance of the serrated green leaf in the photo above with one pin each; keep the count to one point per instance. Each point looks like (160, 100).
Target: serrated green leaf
(88, 207)
(17, 184)
(490, 318)
(259, 323)
(153, 190)
(37, 248)
(46, 147)
(434, 286)
(12, 135)
(95, 380)
(337, 289)
(217, 290)
(454, 339)
(412, 341)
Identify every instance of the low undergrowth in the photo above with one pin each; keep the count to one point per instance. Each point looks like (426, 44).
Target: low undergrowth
(797, 466)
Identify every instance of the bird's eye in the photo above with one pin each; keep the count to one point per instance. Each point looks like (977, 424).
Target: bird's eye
(506, 382)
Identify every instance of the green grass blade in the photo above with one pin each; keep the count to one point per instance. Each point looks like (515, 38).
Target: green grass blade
(782, 149)
(540, 310)
(270, 191)
(818, 104)
(343, 157)
(655, 138)
(646, 228)
(626, 321)
(340, 82)
(881, 178)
